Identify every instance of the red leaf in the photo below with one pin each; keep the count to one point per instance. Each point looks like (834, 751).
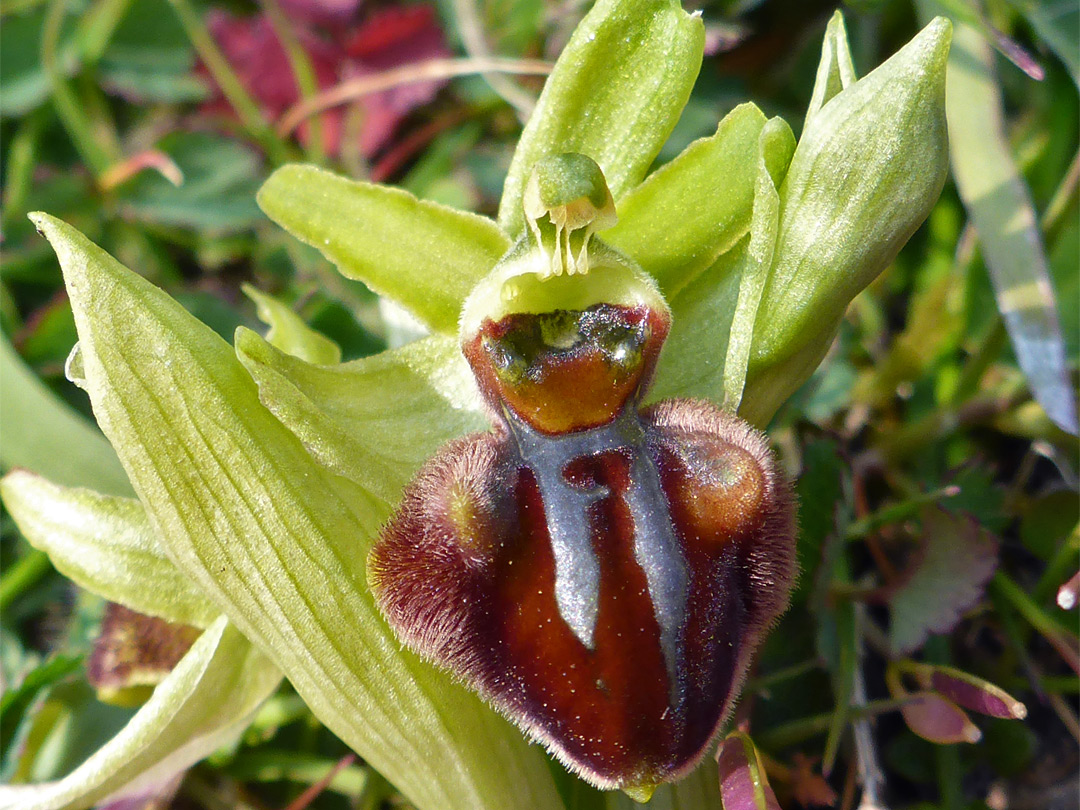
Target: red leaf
(974, 693)
(321, 12)
(958, 558)
(391, 38)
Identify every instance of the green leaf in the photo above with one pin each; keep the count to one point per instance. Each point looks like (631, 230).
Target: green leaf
(44, 434)
(374, 420)
(692, 364)
(25, 84)
(205, 702)
(425, 256)
(1000, 207)
(221, 176)
(290, 334)
(867, 170)
(614, 95)
(694, 208)
(957, 559)
(104, 544)
(278, 542)
(150, 58)
(835, 72)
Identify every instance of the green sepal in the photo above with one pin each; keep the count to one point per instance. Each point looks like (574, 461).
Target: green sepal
(277, 542)
(376, 420)
(205, 702)
(615, 94)
(836, 71)
(289, 333)
(866, 173)
(424, 255)
(104, 544)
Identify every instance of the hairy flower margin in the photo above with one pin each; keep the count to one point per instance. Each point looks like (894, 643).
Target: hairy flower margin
(264, 471)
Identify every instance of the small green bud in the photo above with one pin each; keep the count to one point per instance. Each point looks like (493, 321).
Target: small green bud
(868, 168)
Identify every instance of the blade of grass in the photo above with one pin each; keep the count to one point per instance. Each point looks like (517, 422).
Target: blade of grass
(303, 73)
(999, 204)
(232, 88)
(95, 154)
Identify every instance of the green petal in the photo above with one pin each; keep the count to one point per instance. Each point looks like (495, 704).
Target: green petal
(277, 542)
(423, 255)
(835, 72)
(289, 333)
(105, 545)
(614, 95)
(375, 420)
(204, 703)
(694, 208)
(865, 175)
(44, 434)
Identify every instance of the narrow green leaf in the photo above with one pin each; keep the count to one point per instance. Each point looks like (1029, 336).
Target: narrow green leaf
(374, 420)
(694, 208)
(204, 703)
(289, 333)
(19, 697)
(614, 95)
(1000, 207)
(104, 544)
(425, 256)
(867, 171)
(42, 433)
(278, 542)
(835, 72)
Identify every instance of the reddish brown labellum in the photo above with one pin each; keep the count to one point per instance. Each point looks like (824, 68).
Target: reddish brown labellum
(599, 571)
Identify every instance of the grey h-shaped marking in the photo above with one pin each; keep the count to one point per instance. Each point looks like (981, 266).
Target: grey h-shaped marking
(566, 512)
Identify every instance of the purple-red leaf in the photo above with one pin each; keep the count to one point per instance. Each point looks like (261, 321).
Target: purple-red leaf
(938, 719)
(974, 693)
(387, 39)
(948, 576)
